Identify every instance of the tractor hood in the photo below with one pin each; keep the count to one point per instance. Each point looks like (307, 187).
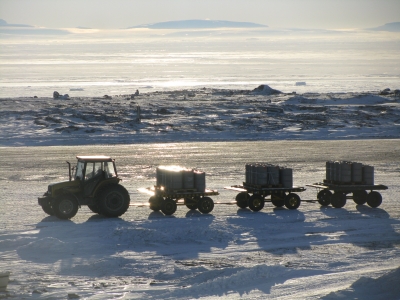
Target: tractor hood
(58, 187)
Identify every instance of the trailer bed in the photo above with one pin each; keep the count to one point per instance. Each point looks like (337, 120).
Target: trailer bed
(343, 191)
(177, 194)
(347, 187)
(251, 189)
(168, 200)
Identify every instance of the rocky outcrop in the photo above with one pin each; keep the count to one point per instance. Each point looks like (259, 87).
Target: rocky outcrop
(265, 90)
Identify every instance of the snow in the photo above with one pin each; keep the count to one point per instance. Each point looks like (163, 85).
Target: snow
(308, 253)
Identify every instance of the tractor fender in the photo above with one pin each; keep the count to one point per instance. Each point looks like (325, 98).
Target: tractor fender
(102, 184)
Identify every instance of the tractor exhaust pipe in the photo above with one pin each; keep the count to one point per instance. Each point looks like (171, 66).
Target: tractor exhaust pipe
(69, 170)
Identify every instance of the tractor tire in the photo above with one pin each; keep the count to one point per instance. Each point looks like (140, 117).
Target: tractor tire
(324, 197)
(113, 201)
(374, 199)
(48, 208)
(155, 203)
(206, 205)
(277, 201)
(94, 208)
(292, 201)
(256, 202)
(65, 207)
(242, 199)
(360, 197)
(338, 200)
(168, 207)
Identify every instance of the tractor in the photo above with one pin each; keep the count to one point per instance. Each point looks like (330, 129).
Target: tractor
(95, 183)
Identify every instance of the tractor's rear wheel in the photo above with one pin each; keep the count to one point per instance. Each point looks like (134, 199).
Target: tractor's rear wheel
(65, 207)
(113, 201)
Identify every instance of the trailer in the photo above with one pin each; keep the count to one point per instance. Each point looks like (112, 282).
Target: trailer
(342, 192)
(254, 196)
(167, 200)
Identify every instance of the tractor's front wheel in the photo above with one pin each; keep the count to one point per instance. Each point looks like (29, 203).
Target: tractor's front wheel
(113, 201)
(65, 207)
(47, 207)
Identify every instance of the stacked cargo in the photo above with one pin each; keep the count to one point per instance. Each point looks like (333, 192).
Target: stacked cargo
(265, 174)
(179, 178)
(346, 172)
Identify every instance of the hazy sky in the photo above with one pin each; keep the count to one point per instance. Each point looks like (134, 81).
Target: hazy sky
(274, 13)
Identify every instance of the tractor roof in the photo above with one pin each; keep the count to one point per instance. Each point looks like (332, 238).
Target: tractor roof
(94, 158)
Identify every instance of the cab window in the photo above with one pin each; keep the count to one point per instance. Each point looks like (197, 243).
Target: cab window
(109, 169)
(79, 170)
(94, 169)
(89, 170)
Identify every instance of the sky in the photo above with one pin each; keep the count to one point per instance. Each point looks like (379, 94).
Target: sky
(110, 14)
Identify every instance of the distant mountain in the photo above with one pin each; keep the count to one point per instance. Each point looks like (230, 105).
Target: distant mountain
(21, 29)
(393, 27)
(199, 24)
(5, 24)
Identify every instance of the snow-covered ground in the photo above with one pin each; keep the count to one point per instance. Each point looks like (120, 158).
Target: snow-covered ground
(309, 253)
(198, 115)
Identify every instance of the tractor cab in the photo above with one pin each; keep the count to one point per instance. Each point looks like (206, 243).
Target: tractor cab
(91, 166)
(91, 170)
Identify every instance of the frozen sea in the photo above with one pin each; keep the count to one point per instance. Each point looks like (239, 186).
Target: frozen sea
(95, 63)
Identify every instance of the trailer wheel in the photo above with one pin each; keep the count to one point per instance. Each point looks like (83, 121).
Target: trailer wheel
(168, 207)
(360, 197)
(191, 204)
(242, 199)
(338, 200)
(277, 200)
(155, 203)
(206, 205)
(324, 197)
(374, 199)
(292, 201)
(65, 207)
(256, 202)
